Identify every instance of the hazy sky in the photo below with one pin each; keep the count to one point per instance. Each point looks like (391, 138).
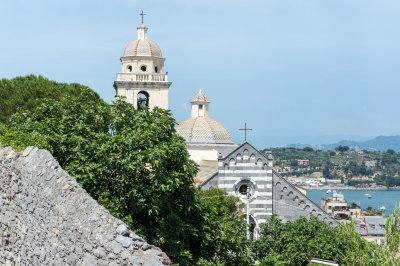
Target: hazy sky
(293, 69)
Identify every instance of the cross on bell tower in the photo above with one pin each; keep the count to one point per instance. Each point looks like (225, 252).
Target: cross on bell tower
(142, 14)
(245, 131)
(142, 80)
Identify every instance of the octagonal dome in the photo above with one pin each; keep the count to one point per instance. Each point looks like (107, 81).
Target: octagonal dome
(142, 47)
(204, 130)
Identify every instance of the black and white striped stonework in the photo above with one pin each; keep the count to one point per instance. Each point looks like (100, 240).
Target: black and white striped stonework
(246, 167)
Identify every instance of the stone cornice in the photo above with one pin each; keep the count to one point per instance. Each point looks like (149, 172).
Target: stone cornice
(141, 84)
(128, 58)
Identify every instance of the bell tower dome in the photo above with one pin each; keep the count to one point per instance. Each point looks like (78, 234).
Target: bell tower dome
(142, 79)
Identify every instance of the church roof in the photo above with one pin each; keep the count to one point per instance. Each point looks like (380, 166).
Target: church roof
(142, 47)
(203, 130)
(200, 97)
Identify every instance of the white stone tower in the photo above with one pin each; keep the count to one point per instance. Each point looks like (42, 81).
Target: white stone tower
(142, 79)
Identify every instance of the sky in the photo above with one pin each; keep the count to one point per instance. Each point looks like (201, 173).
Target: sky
(307, 71)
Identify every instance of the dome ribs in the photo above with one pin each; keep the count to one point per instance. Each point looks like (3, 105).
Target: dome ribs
(151, 50)
(212, 129)
(194, 123)
(127, 47)
(137, 44)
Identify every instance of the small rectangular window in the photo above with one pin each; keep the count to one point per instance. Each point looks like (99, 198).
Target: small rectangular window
(200, 106)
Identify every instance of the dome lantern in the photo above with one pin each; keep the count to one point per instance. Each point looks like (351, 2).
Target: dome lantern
(205, 138)
(142, 32)
(200, 105)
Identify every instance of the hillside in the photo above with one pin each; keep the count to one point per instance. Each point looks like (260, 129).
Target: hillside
(381, 143)
(353, 168)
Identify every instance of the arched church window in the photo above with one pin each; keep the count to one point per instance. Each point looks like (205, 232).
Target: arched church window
(143, 68)
(251, 229)
(130, 68)
(156, 69)
(142, 99)
(243, 189)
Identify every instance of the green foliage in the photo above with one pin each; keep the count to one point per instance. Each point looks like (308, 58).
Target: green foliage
(20, 140)
(371, 212)
(342, 148)
(133, 163)
(24, 92)
(391, 151)
(308, 149)
(356, 183)
(392, 228)
(299, 241)
(229, 242)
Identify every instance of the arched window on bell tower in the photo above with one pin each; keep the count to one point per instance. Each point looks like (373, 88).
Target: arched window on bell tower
(142, 70)
(142, 99)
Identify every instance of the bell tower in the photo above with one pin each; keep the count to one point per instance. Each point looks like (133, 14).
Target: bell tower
(142, 79)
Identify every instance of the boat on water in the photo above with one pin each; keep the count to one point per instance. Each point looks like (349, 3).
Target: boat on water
(368, 195)
(328, 191)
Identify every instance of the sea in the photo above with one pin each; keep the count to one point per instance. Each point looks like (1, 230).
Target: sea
(380, 198)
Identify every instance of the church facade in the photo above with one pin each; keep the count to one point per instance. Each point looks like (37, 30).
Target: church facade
(240, 171)
(248, 174)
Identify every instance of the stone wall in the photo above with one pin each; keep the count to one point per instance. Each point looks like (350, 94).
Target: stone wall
(46, 218)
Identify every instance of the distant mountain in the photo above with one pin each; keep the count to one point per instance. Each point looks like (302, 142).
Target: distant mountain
(282, 140)
(381, 143)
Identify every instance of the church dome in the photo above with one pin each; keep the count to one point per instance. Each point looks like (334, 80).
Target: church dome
(200, 128)
(142, 46)
(203, 130)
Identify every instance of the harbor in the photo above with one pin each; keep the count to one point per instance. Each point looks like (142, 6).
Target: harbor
(379, 198)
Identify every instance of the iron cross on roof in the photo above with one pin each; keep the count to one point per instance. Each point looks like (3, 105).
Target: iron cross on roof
(245, 131)
(142, 14)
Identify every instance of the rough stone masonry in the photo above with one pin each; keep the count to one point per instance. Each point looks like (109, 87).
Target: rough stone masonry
(46, 218)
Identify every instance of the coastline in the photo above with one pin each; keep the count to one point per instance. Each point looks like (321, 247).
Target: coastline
(350, 188)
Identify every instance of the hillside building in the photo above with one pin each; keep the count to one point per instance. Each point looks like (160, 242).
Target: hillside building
(336, 206)
(303, 163)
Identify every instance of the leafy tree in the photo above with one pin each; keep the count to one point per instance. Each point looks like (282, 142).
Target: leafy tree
(133, 163)
(23, 93)
(326, 172)
(342, 148)
(298, 241)
(390, 151)
(20, 140)
(308, 149)
(229, 244)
